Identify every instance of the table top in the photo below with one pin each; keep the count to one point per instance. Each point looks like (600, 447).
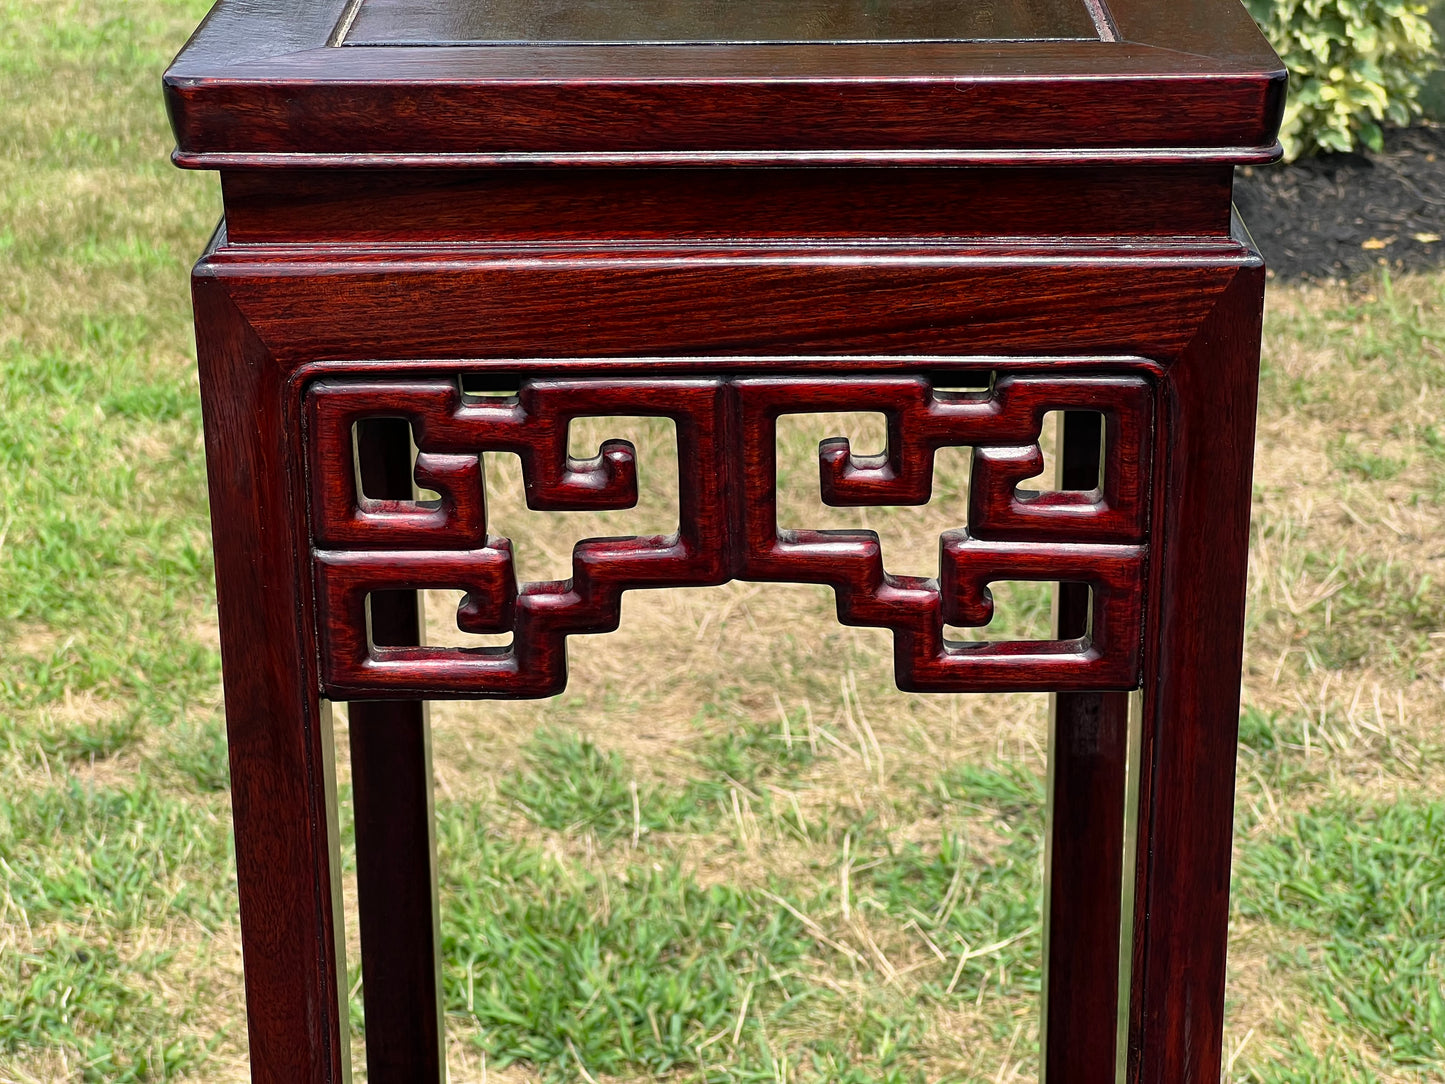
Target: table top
(697, 22)
(481, 82)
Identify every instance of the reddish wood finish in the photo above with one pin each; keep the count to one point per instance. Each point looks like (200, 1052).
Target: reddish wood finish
(259, 79)
(391, 797)
(471, 22)
(728, 523)
(595, 204)
(721, 234)
(1087, 754)
(279, 731)
(277, 301)
(638, 304)
(1191, 707)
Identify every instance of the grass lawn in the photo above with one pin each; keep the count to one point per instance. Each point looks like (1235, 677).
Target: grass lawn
(742, 857)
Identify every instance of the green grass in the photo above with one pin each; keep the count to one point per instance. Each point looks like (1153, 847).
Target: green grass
(89, 874)
(636, 968)
(1365, 885)
(73, 995)
(104, 563)
(640, 970)
(718, 864)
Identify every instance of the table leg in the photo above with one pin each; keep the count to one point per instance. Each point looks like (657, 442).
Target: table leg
(1193, 656)
(278, 730)
(1087, 751)
(391, 780)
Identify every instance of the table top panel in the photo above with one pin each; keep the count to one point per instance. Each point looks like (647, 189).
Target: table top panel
(484, 22)
(474, 83)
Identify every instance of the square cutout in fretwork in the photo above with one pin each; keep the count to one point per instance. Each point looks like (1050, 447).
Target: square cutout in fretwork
(1079, 434)
(383, 479)
(382, 610)
(489, 386)
(905, 531)
(543, 541)
(1022, 610)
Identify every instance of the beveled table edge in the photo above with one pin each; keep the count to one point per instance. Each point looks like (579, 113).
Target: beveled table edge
(1082, 156)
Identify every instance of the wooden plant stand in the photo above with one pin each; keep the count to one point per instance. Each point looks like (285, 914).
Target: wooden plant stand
(720, 214)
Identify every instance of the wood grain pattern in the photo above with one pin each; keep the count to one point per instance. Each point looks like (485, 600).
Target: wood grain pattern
(1191, 705)
(472, 22)
(1198, 76)
(460, 104)
(277, 291)
(616, 301)
(278, 730)
(720, 235)
(600, 204)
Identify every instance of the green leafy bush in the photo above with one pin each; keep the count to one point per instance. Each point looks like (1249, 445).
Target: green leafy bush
(1353, 66)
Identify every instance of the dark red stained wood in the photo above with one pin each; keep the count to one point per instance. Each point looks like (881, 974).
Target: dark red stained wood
(473, 105)
(452, 432)
(704, 233)
(1183, 267)
(601, 204)
(1086, 832)
(391, 795)
(473, 301)
(1201, 27)
(368, 547)
(257, 81)
(278, 730)
(470, 22)
(1191, 707)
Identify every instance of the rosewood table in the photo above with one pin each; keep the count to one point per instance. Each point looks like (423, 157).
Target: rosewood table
(454, 226)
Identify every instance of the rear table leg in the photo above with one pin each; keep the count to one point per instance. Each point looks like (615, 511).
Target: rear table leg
(1086, 833)
(391, 778)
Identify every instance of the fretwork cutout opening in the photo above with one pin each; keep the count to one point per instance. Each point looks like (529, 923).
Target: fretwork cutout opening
(1084, 430)
(490, 386)
(1018, 610)
(443, 615)
(382, 631)
(906, 533)
(377, 476)
(728, 518)
(543, 541)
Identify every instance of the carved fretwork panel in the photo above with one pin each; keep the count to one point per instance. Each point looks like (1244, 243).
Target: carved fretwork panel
(727, 449)
(364, 545)
(1093, 537)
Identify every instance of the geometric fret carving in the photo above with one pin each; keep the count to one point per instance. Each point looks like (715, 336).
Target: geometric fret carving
(1058, 536)
(402, 544)
(726, 432)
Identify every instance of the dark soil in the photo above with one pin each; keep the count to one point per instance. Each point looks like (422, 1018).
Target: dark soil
(1339, 215)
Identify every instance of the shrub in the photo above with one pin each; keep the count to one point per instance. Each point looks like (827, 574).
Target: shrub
(1353, 65)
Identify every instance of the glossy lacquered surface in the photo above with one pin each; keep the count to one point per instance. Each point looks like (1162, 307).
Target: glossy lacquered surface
(719, 234)
(475, 22)
(267, 78)
(601, 204)
(270, 330)
(1094, 535)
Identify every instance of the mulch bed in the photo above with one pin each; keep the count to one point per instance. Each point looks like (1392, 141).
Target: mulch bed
(1339, 215)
